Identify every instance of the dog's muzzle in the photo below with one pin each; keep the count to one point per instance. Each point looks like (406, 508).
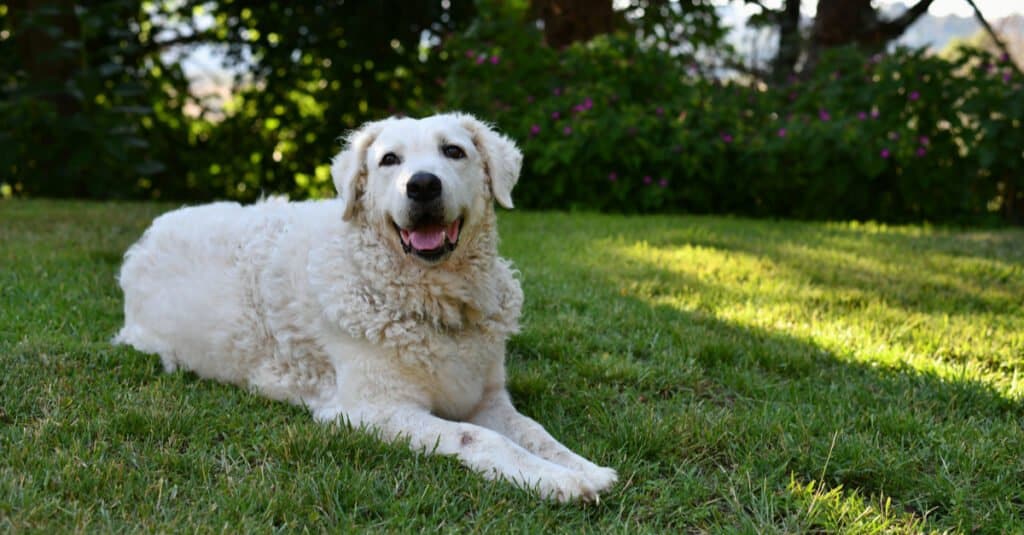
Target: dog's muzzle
(430, 240)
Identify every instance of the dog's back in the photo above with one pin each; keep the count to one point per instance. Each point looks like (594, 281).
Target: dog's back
(191, 286)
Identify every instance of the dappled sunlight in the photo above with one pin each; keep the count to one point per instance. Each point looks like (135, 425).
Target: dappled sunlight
(869, 294)
(823, 508)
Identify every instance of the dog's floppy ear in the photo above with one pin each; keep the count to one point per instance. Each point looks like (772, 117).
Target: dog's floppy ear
(348, 168)
(502, 159)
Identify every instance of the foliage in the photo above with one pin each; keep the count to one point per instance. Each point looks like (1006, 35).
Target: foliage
(317, 70)
(307, 72)
(88, 110)
(688, 28)
(616, 126)
(629, 121)
(743, 376)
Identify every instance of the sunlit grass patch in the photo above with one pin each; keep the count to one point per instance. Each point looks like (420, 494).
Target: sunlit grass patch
(928, 308)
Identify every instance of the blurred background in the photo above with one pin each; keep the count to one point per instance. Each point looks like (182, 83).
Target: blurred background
(820, 109)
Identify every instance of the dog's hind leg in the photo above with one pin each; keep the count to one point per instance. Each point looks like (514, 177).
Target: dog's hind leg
(303, 381)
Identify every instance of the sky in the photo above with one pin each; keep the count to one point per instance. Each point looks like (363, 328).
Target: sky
(991, 9)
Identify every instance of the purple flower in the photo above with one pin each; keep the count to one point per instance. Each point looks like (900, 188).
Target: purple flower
(885, 154)
(567, 130)
(782, 132)
(861, 115)
(921, 151)
(914, 95)
(588, 103)
(1004, 57)
(534, 129)
(470, 53)
(823, 115)
(480, 59)
(894, 135)
(727, 138)
(495, 60)
(613, 176)
(874, 114)
(659, 111)
(924, 140)
(1006, 76)
(555, 115)
(648, 180)
(663, 183)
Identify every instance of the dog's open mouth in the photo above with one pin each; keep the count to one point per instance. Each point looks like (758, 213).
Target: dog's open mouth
(431, 241)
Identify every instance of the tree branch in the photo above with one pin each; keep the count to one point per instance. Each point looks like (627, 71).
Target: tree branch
(193, 38)
(775, 14)
(895, 27)
(995, 37)
(749, 70)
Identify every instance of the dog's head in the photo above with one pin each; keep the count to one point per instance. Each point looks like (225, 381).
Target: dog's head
(427, 184)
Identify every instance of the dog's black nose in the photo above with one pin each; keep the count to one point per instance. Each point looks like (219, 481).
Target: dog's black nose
(423, 187)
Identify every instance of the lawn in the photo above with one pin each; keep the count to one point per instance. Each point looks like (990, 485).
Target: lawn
(741, 375)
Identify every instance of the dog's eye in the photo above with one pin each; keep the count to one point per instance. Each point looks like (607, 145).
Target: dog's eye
(454, 152)
(389, 159)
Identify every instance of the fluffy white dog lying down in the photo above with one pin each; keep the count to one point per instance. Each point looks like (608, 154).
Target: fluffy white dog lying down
(388, 307)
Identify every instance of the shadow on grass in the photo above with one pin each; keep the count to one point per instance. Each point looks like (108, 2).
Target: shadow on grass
(943, 446)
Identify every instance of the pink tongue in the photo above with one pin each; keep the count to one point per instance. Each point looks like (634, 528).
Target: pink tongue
(426, 239)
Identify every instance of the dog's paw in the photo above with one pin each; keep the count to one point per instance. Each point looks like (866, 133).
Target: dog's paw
(567, 486)
(600, 477)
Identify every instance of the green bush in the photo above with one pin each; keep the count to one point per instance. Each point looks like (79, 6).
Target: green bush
(93, 105)
(83, 107)
(614, 126)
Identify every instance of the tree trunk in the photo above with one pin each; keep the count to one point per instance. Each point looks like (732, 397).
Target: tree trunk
(44, 33)
(568, 21)
(855, 22)
(1013, 200)
(41, 27)
(784, 64)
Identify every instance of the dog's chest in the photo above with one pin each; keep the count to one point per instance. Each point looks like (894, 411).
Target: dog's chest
(453, 370)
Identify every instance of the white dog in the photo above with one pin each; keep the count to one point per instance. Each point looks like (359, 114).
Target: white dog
(387, 307)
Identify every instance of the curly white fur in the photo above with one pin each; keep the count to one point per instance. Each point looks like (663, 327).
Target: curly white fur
(317, 303)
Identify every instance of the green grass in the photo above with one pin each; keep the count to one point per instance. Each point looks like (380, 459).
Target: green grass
(746, 376)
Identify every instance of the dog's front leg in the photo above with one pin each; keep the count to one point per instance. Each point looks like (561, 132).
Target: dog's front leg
(497, 413)
(483, 450)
